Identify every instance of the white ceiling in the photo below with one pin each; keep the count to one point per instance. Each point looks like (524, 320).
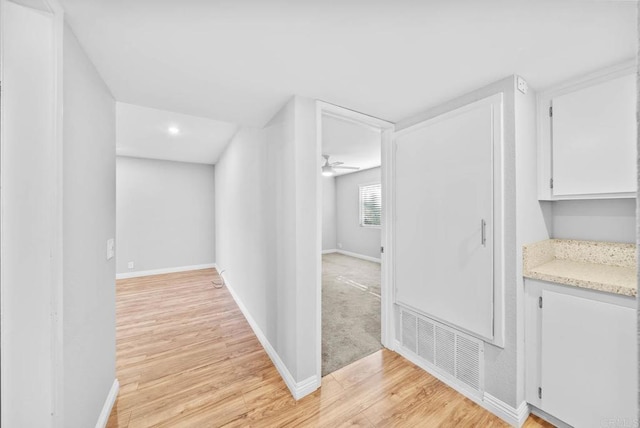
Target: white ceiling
(240, 60)
(351, 143)
(144, 132)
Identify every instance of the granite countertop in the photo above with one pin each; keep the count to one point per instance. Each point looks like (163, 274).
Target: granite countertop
(602, 266)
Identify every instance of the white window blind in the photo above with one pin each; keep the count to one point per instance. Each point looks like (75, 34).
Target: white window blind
(370, 205)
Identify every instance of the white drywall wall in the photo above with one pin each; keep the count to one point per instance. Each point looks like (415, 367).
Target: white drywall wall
(165, 215)
(245, 243)
(533, 217)
(266, 230)
(596, 220)
(308, 239)
(329, 227)
(351, 236)
(28, 242)
(89, 200)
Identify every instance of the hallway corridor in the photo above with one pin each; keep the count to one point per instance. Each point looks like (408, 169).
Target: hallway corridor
(186, 357)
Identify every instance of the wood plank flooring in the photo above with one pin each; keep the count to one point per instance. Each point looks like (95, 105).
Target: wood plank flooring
(186, 357)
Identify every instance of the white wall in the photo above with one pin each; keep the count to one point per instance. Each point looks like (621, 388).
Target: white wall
(165, 214)
(308, 239)
(58, 198)
(596, 220)
(89, 220)
(351, 236)
(266, 230)
(245, 243)
(532, 221)
(503, 376)
(329, 226)
(28, 202)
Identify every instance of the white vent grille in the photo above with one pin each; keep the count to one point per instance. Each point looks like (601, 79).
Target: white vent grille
(468, 361)
(409, 331)
(451, 353)
(445, 350)
(426, 340)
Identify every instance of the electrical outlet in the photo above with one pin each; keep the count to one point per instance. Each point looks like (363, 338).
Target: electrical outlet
(130, 265)
(339, 244)
(522, 85)
(111, 251)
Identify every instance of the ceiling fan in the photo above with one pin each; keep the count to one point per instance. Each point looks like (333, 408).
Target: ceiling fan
(328, 169)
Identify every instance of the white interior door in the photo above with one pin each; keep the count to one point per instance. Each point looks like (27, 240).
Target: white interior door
(444, 216)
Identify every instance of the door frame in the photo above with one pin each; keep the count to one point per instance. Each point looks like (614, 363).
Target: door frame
(386, 257)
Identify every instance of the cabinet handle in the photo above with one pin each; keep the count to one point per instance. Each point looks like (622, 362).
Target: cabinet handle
(483, 235)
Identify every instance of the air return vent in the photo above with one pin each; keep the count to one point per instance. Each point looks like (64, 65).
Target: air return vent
(445, 350)
(451, 353)
(426, 343)
(409, 331)
(468, 361)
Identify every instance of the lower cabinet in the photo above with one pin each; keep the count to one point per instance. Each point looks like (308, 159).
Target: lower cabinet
(581, 355)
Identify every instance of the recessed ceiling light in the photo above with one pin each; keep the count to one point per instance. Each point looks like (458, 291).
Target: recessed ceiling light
(173, 130)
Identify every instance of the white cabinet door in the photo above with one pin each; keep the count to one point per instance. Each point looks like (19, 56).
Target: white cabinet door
(444, 233)
(594, 139)
(588, 361)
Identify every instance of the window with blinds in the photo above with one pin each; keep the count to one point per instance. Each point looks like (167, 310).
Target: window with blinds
(370, 205)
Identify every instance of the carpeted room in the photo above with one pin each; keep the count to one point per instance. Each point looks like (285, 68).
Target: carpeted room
(350, 310)
(351, 264)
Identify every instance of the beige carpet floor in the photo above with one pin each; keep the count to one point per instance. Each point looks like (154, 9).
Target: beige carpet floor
(350, 310)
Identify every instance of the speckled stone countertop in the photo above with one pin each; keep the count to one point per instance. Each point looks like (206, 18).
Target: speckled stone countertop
(602, 266)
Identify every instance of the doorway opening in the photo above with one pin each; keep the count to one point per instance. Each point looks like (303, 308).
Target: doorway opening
(352, 284)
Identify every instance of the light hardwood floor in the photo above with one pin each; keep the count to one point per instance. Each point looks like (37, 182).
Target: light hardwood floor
(186, 357)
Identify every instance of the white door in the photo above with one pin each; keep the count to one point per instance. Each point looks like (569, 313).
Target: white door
(444, 216)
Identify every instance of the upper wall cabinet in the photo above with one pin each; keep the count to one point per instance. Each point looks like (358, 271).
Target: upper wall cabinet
(588, 137)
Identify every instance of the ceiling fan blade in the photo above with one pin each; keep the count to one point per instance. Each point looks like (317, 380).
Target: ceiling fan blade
(336, 163)
(346, 167)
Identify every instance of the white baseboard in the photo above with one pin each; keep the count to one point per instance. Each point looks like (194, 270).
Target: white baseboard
(359, 256)
(547, 417)
(164, 270)
(329, 251)
(305, 387)
(108, 405)
(298, 389)
(513, 416)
